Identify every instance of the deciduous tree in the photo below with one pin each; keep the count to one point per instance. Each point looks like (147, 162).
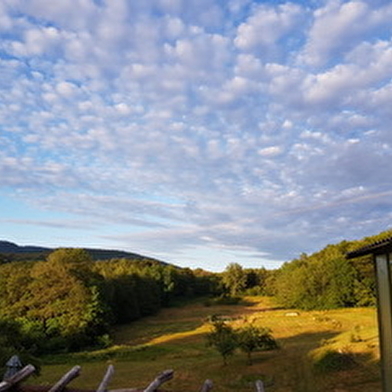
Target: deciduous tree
(234, 279)
(252, 338)
(223, 339)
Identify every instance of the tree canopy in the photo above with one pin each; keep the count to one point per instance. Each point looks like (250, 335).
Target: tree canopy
(68, 301)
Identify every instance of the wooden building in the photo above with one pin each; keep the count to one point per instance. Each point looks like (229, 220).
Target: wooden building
(382, 258)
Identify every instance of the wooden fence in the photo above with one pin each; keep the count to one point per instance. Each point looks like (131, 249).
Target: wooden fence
(14, 377)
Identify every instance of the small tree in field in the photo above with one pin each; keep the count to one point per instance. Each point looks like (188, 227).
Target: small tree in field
(223, 339)
(251, 338)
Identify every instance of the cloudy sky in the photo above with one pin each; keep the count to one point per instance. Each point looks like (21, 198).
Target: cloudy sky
(200, 132)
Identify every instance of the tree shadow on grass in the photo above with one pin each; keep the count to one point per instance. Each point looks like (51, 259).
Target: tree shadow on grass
(291, 367)
(331, 369)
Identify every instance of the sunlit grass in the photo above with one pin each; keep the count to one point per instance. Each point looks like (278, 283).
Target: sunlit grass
(179, 335)
(175, 339)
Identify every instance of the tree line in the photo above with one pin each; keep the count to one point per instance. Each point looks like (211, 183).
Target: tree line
(69, 301)
(322, 280)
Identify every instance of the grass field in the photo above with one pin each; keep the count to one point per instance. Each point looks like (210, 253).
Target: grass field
(174, 339)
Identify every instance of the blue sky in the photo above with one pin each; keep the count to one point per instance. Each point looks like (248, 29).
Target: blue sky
(200, 132)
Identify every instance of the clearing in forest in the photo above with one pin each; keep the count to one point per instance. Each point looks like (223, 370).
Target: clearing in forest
(319, 351)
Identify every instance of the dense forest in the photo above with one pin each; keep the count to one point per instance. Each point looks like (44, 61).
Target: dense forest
(68, 301)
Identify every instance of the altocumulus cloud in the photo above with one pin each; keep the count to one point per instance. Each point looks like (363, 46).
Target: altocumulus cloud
(197, 131)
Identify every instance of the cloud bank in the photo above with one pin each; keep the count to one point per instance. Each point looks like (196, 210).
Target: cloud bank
(196, 131)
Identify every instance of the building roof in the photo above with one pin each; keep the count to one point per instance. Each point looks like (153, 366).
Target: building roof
(375, 248)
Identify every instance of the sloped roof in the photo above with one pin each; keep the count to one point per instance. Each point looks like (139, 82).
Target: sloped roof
(376, 248)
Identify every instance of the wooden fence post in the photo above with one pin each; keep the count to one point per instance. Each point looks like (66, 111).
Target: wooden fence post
(207, 386)
(105, 381)
(259, 386)
(17, 378)
(66, 379)
(163, 377)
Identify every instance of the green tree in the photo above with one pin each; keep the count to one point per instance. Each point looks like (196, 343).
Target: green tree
(73, 256)
(64, 297)
(364, 282)
(14, 342)
(206, 283)
(288, 282)
(324, 280)
(15, 279)
(223, 339)
(122, 298)
(234, 279)
(148, 295)
(133, 288)
(251, 338)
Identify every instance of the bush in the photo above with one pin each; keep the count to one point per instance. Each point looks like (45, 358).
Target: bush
(12, 342)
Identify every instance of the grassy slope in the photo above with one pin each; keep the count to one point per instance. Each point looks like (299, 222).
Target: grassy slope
(174, 340)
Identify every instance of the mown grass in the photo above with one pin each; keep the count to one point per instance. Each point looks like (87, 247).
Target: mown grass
(175, 339)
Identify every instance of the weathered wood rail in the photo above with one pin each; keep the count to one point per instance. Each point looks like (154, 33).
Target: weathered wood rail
(13, 382)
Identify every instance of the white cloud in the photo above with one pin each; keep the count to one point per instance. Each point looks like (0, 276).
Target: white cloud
(123, 108)
(78, 14)
(267, 25)
(66, 89)
(270, 151)
(173, 28)
(6, 22)
(233, 125)
(341, 25)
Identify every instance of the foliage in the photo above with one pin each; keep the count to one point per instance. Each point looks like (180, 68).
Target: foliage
(69, 301)
(251, 338)
(326, 280)
(58, 303)
(257, 280)
(13, 341)
(69, 256)
(206, 283)
(222, 338)
(234, 279)
(250, 281)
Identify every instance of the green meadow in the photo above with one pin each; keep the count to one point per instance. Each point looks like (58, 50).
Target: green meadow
(335, 350)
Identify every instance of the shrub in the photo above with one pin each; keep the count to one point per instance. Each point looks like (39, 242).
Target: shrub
(13, 342)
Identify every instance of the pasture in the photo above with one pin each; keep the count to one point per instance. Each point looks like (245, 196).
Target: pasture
(175, 339)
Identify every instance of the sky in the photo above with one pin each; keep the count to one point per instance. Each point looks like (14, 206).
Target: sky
(198, 132)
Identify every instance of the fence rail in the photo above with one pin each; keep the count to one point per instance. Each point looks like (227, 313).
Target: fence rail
(13, 379)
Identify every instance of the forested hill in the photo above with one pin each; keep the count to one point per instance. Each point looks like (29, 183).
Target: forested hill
(10, 251)
(10, 247)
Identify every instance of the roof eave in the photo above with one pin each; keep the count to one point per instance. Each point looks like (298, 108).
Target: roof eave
(376, 248)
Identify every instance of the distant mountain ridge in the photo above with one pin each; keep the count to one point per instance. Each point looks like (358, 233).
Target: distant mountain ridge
(12, 251)
(10, 247)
